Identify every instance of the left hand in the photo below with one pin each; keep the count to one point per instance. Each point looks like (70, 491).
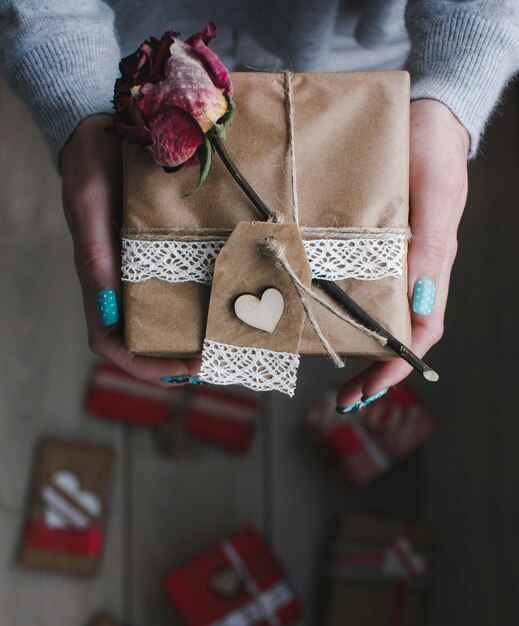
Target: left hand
(439, 145)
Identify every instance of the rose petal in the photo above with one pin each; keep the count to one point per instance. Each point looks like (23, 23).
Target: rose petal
(135, 134)
(161, 55)
(205, 35)
(188, 86)
(175, 137)
(210, 60)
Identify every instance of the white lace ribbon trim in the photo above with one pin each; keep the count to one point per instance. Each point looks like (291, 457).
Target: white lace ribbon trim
(330, 259)
(255, 368)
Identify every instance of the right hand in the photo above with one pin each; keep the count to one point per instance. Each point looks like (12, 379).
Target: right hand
(92, 185)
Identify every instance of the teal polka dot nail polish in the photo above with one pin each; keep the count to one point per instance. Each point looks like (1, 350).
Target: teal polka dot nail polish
(424, 296)
(107, 307)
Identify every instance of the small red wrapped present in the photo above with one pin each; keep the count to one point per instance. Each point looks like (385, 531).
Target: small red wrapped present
(238, 583)
(114, 394)
(224, 416)
(364, 445)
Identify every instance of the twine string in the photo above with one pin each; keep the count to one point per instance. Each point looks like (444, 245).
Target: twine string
(307, 232)
(291, 144)
(271, 248)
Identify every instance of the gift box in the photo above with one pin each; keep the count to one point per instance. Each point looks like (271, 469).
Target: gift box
(115, 395)
(65, 525)
(238, 582)
(341, 187)
(379, 573)
(364, 445)
(225, 417)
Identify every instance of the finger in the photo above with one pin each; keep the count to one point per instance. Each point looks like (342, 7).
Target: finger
(427, 331)
(431, 256)
(108, 343)
(92, 202)
(160, 371)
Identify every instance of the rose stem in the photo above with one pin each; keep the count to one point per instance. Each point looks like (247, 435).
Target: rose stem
(330, 287)
(266, 213)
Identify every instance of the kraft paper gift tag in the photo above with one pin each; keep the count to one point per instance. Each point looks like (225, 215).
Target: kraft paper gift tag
(351, 133)
(68, 507)
(236, 351)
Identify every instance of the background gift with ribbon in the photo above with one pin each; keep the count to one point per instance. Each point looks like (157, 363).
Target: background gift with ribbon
(240, 582)
(65, 525)
(225, 417)
(364, 445)
(330, 156)
(379, 572)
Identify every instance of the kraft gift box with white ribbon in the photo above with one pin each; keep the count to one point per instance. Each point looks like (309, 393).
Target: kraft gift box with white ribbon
(329, 154)
(64, 530)
(379, 572)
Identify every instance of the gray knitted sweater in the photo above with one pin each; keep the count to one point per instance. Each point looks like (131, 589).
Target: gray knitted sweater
(62, 56)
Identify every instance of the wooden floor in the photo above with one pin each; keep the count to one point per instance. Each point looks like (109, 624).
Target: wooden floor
(465, 483)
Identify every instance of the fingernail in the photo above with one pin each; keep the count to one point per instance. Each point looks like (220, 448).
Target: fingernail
(107, 307)
(197, 381)
(349, 409)
(176, 380)
(369, 399)
(424, 296)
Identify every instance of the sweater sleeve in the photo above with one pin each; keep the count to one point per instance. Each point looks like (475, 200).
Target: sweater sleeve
(61, 57)
(463, 52)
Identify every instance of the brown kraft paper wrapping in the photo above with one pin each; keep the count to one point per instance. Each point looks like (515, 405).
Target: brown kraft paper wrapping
(91, 466)
(351, 154)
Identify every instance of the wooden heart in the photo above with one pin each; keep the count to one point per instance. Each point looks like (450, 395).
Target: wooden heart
(263, 313)
(226, 583)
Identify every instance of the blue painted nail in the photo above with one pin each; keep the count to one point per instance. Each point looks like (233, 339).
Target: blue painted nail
(107, 307)
(369, 399)
(197, 381)
(176, 380)
(349, 409)
(424, 296)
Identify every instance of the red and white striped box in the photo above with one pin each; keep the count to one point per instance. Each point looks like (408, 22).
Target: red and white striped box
(365, 444)
(116, 395)
(238, 583)
(224, 416)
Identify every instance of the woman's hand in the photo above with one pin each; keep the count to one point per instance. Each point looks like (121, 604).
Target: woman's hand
(92, 177)
(438, 191)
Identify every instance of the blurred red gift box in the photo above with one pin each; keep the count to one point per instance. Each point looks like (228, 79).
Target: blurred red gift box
(363, 445)
(224, 416)
(238, 582)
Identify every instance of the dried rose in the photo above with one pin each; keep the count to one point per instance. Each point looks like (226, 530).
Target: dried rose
(170, 95)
